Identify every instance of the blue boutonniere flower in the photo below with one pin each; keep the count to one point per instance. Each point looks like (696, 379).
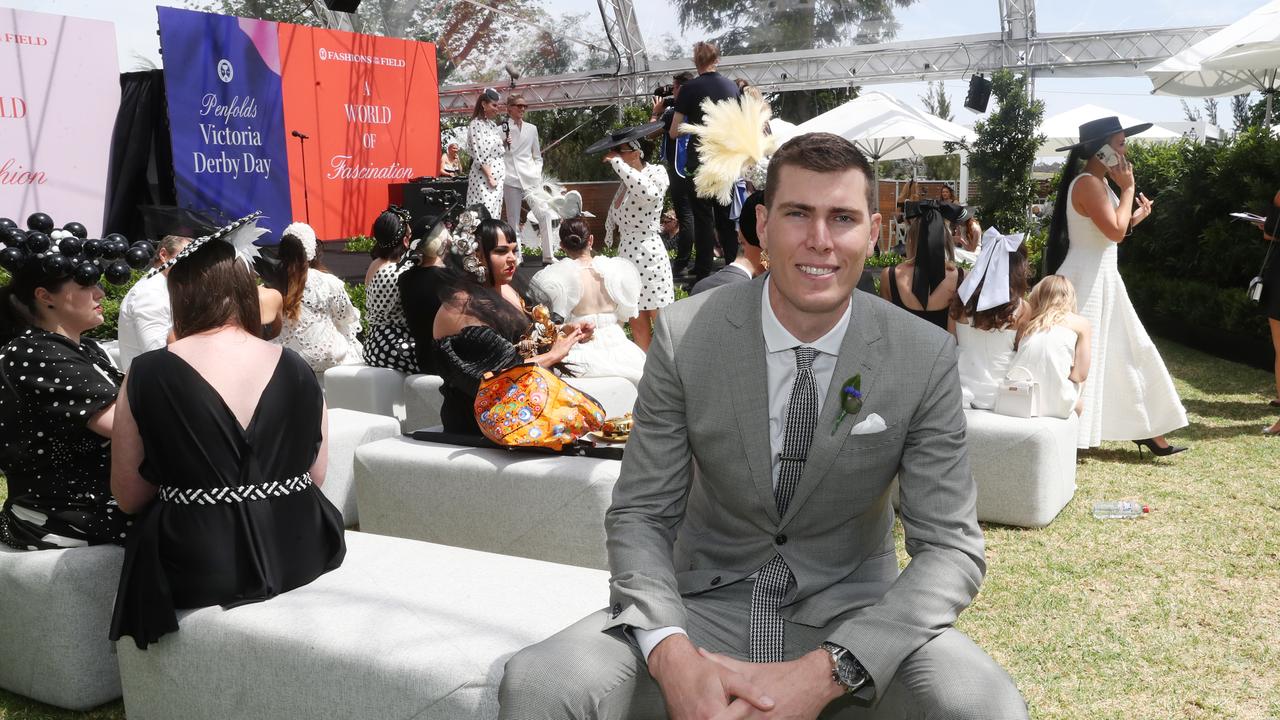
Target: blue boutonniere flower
(851, 398)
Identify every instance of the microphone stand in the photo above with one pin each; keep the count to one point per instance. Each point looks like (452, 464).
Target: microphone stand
(306, 200)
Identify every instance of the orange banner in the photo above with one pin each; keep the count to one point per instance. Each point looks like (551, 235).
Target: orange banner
(370, 108)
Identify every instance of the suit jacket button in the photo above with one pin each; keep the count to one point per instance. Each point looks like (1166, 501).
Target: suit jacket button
(617, 609)
(715, 580)
(781, 539)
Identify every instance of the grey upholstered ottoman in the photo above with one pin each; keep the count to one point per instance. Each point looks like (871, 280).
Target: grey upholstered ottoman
(422, 401)
(1025, 467)
(403, 629)
(348, 430)
(546, 507)
(55, 613)
(368, 389)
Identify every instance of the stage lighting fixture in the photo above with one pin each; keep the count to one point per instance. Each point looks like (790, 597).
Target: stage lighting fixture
(346, 6)
(979, 94)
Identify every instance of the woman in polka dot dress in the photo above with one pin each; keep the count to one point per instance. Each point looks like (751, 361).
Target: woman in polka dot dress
(57, 403)
(635, 213)
(487, 146)
(387, 342)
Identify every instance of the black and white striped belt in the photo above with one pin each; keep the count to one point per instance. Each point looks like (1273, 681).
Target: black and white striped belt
(244, 493)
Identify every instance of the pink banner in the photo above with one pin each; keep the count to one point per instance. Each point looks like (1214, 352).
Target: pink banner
(59, 92)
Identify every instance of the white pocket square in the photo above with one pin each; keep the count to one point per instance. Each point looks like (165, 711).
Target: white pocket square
(870, 425)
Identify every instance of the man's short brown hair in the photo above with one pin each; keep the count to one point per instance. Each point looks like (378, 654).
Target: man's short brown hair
(705, 54)
(820, 153)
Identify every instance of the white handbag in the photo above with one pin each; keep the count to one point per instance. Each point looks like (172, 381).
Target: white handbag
(1018, 395)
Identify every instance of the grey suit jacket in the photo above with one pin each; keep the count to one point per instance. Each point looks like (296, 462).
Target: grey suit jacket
(674, 532)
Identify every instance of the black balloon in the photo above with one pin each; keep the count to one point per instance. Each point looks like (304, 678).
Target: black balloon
(13, 236)
(122, 247)
(114, 237)
(76, 229)
(137, 257)
(7, 223)
(92, 248)
(12, 258)
(88, 272)
(71, 246)
(40, 221)
(56, 265)
(109, 250)
(118, 272)
(38, 242)
(145, 244)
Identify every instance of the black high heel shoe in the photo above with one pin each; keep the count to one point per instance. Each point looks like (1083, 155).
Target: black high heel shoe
(1156, 450)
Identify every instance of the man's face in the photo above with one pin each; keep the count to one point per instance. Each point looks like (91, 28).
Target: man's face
(516, 110)
(163, 256)
(818, 231)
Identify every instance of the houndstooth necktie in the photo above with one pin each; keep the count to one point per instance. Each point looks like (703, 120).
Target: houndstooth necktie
(773, 580)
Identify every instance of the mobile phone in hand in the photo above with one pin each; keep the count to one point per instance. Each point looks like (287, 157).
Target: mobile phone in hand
(1108, 156)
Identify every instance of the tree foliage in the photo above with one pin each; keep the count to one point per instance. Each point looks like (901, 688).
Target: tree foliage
(1003, 152)
(937, 103)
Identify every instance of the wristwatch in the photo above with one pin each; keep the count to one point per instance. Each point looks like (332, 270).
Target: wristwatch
(846, 671)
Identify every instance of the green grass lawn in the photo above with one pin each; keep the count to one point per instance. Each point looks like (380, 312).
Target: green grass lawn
(1174, 615)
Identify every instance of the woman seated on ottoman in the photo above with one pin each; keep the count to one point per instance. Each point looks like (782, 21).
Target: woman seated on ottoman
(219, 447)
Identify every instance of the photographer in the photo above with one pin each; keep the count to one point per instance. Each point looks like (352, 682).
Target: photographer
(710, 218)
(664, 109)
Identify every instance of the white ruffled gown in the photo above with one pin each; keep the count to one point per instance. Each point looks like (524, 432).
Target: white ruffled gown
(609, 353)
(1129, 394)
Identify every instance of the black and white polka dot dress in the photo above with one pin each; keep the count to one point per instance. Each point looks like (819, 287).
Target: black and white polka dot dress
(485, 143)
(58, 471)
(636, 220)
(388, 342)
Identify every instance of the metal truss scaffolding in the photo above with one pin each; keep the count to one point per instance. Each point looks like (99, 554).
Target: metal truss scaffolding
(1101, 54)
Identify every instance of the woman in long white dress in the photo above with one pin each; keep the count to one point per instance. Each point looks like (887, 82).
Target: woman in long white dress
(635, 214)
(595, 289)
(1129, 394)
(487, 148)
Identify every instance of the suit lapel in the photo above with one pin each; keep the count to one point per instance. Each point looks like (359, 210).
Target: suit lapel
(751, 398)
(860, 354)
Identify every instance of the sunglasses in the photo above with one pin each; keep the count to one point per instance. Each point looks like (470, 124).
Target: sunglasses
(521, 106)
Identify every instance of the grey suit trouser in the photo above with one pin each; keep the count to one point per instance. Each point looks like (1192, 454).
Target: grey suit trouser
(585, 673)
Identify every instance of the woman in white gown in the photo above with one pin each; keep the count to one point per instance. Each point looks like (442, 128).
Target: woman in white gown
(986, 310)
(1129, 394)
(600, 290)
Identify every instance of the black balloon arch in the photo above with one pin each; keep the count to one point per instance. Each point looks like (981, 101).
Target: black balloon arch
(69, 252)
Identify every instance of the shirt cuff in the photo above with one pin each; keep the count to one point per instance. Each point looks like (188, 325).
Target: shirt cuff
(649, 639)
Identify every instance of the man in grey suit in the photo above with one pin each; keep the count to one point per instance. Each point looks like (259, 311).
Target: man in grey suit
(750, 537)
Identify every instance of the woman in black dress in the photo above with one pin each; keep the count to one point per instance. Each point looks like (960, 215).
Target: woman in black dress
(420, 296)
(220, 449)
(482, 319)
(926, 282)
(57, 391)
(1271, 294)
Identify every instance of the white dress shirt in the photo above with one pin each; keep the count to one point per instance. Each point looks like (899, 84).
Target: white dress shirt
(780, 374)
(145, 319)
(524, 156)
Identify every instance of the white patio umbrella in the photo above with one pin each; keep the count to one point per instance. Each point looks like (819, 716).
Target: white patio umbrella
(782, 129)
(1064, 128)
(1239, 58)
(885, 128)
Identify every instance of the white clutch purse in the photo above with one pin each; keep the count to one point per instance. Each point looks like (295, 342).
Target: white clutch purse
(1018, 395)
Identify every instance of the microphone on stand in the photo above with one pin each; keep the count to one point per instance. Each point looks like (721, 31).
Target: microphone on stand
(306, 199)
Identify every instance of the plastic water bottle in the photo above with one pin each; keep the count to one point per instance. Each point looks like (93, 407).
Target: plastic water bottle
(1119, 509)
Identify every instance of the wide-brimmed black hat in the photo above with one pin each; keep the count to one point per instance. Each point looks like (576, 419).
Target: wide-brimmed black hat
(1101, 129)
(617, 138)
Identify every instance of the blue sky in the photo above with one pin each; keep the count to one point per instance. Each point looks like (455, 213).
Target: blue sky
(135, 28)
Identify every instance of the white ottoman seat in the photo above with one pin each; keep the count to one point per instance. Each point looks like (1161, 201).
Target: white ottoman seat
(547, 507)
(402, 630)
(375, 390)
(422, 401)
(348, 430)
(55, 613)
(1025, 467)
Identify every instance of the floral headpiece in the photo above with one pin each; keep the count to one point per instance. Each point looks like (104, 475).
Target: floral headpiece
(306, 236)
(464, 243)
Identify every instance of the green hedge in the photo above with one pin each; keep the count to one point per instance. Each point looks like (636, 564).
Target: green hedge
(1197, 303)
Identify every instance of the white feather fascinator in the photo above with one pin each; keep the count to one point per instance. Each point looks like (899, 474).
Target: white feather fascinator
(241, 234)
(732, 141)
